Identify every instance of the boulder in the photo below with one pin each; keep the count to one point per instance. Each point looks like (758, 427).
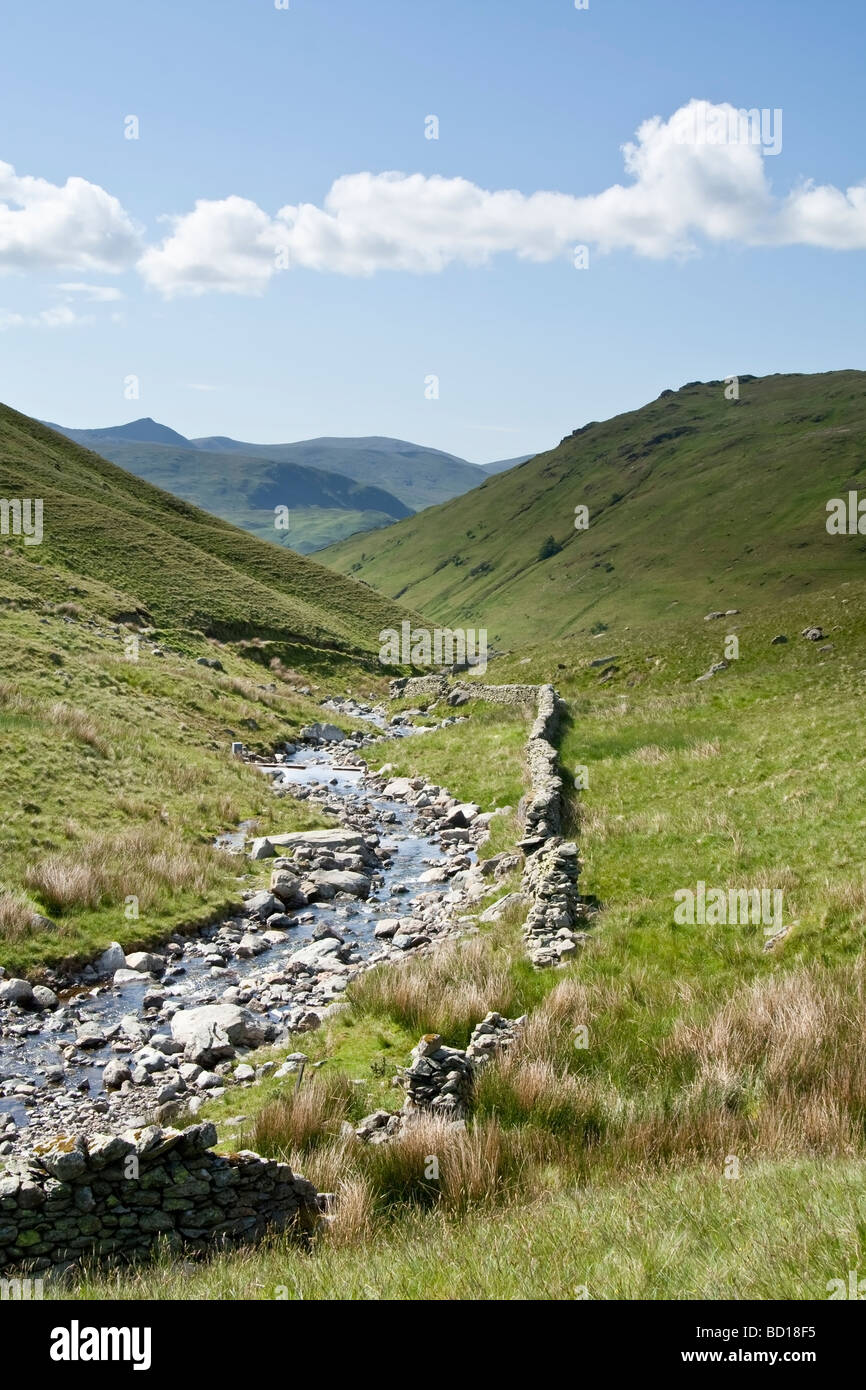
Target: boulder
(262, 906)
(287, 887)
(317, 952)
(398, 787)
(336, 838)
(16, 992)
(114, 1074)
(44, 998)
(213, 1031)
(112, 959)
(341, 881)
(145, 962)
(503, 905)
(328, 733)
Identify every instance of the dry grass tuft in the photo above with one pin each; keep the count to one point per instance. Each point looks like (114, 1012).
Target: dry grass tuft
(146, 864)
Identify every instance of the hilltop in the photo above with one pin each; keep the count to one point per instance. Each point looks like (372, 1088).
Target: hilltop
(123, 548)
(334, 488)
(695, 502)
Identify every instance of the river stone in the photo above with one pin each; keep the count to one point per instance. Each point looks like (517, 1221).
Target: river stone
(342, 881)
(335, 838)
(287, 887)
(44, 998)
(460, 816)
(497, 909)
(126, 977)
(316, 953)
(114, 1074)
(112, 959)
(90, 1035)
(328, 733)
(398, 787)
(213, 1031)
(16, 992)
(389, 925)
(145, 962)
(262, 906)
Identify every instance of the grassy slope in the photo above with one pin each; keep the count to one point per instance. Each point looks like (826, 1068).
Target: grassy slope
(127, 546)
(117, 773)
(695, 502)
(325, 507)
(605, 1166)
(116, 767)
(419, 476)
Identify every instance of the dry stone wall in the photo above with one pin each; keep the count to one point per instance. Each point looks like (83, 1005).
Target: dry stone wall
(115, 1195)
(550, 877)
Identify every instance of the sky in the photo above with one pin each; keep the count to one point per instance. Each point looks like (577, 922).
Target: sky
(229, 215)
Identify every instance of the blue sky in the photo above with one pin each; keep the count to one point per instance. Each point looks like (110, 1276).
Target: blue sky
(709, 270)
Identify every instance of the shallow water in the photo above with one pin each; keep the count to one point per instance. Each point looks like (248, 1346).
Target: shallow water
(39, 1039)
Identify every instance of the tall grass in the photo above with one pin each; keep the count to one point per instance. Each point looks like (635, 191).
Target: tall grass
(147, 864)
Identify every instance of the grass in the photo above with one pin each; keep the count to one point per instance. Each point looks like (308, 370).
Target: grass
(778, 1232)
(118, 546)
(117, 778)
(695, 503)
(602, 1150)
(685, 1115)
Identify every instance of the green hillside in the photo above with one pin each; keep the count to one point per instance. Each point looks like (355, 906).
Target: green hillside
(116, 738)
(324, 507)
(695, 503)
(419, 476)
(122, 547)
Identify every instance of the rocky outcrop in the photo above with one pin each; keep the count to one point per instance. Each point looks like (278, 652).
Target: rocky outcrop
(115, 1195)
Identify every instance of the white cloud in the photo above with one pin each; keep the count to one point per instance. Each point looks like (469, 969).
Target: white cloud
(698, 176)
(227, 245)
(97, 294)
(58, 316)
(76, 225)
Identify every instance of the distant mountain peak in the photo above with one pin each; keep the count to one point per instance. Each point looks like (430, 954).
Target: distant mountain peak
(144, 431)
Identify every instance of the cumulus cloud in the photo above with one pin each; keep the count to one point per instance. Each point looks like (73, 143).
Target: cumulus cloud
(76, 225)
(700, 176)
(227, 245)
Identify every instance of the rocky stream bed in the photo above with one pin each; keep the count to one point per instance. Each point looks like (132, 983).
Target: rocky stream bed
(138, 1038)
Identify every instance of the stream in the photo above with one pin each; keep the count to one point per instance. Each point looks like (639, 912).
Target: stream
(42, 1060)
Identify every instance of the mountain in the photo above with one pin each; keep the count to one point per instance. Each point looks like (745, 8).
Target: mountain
(502, 465)
(419, 476)
(125, 547)
(324, 506)
(695, 503)
(146, 430)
